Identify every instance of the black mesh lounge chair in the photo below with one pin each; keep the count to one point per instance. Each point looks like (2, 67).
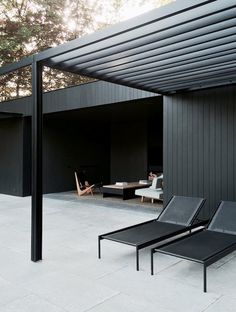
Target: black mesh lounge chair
(177, 217)
(208, 245)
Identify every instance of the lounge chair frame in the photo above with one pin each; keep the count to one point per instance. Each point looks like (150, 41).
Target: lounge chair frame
(138, 246)
(206, 262)
(88, 189)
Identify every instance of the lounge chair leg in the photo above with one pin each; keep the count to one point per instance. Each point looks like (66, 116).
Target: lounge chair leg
(142, 199)
(137, 259)
(152, 268)
(99, 247)
(204, 278)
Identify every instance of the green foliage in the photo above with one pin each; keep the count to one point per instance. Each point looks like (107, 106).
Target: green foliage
(28, 27)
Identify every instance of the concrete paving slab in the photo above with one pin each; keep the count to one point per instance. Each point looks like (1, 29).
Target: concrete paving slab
(224, 304)
(73, 293)
(31, 303)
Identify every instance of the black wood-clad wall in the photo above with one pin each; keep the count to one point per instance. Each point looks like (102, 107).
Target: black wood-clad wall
(200, 145)
(11, 156)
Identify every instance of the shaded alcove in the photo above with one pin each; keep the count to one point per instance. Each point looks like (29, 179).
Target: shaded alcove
(108, 143)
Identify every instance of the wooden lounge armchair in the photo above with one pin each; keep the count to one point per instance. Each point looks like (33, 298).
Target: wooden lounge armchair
(208, 245)
(179, 216)
(87, 189)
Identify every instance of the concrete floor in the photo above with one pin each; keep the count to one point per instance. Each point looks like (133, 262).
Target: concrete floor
(72, 279)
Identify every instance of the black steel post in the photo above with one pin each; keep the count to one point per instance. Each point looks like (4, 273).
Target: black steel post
(152, 253)
(204, 277)
(99, 247)
(137, 259)
(36, 182)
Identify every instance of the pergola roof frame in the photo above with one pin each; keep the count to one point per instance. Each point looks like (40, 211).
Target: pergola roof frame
(134, 23)
(148, 47)
(134, 52)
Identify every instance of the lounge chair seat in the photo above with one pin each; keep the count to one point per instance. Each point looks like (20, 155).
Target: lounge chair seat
(144, 233)
(176, 218)
(208, 245)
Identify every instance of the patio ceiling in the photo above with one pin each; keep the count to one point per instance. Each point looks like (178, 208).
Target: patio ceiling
(186, 45)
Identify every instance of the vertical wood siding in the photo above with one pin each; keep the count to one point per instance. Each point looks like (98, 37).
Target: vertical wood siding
(11, 156)
(200, 145)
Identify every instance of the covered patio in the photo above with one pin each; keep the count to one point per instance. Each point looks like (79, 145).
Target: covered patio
(181, 47)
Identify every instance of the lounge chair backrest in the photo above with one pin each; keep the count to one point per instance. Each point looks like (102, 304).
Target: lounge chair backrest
(224, 219)
(181, 210)
(157, 183)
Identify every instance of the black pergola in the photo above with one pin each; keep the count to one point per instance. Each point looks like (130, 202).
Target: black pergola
(187, 45)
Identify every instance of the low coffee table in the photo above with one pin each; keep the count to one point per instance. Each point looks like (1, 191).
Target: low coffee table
(126, 191)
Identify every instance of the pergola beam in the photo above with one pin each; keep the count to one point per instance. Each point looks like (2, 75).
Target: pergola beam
(7, 69)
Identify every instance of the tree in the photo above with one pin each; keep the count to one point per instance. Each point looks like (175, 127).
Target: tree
(28, 27)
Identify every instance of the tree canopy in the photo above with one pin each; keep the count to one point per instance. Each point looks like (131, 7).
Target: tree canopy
(30, 26)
